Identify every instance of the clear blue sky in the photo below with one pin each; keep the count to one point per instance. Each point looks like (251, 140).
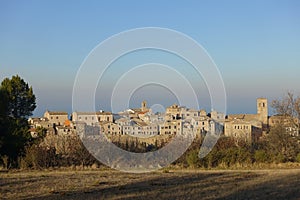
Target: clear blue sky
(255, 44)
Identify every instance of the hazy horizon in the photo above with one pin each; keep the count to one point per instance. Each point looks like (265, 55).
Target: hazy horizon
(255, 45)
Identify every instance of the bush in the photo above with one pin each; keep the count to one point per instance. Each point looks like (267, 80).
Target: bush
(298, 158)
(261, 156)
(38, 157)
(192, 159)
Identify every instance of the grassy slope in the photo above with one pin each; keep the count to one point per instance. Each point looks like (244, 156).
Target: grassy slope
(108, 184)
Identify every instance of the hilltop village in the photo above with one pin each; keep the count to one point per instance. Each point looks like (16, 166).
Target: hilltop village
(143, 123)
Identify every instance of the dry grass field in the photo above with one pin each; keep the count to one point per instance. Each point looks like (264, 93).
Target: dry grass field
(186, 184)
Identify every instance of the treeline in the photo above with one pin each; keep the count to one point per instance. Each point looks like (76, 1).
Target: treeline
(274, 148)
(41, 156)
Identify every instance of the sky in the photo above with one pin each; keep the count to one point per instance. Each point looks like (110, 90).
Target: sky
(254, 44)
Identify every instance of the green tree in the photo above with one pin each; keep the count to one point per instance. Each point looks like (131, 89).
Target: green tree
(16, 103)
(261, 156)
(21, 100)
(192, 158)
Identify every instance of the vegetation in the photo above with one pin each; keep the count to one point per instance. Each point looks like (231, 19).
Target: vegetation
(288, 106)
(17, 102)
(181, 184)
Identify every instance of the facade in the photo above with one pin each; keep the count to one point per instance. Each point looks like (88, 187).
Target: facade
(110, 128)
(105, 116)
(243, 130)
(39, 122)
(248, 126)
(137, 127)
(56, 118)
(171, 127)
(92, 118)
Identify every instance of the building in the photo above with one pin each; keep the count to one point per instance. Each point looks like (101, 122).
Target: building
(171, 127)
(110, 128)
(42, 122)
(248, 126)
(92, 118)
(56, 118)
(242, 130)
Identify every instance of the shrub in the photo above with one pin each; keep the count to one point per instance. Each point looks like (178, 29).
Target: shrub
(38, 157)
(298, 158)
(261, 156)
(192, 159)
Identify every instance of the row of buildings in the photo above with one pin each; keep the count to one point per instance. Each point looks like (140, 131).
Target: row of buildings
(142, 122)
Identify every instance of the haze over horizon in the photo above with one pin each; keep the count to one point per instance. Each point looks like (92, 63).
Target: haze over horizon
(255, 45)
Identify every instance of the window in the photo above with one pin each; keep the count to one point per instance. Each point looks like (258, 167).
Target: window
(56, 117)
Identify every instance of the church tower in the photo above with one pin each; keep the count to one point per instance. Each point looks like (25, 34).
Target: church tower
(262, 110)
(144, 106)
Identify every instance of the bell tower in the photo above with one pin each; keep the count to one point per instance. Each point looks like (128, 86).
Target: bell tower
(262, 110)
(144, 106)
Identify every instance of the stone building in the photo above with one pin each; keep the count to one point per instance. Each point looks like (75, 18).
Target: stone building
(110, 128)
(57, 118)
(242, 130)
(92, 118)
(36, 122)
(248, 127)
(171, 127)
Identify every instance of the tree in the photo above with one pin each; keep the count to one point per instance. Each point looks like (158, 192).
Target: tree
(282, 136)
(17, 102)
(20, 97)
(192, 158)
(289, 108)
(282, 146)
(3, 103)
(3, 111)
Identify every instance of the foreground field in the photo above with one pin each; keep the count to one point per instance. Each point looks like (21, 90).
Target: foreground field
(108, 184)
